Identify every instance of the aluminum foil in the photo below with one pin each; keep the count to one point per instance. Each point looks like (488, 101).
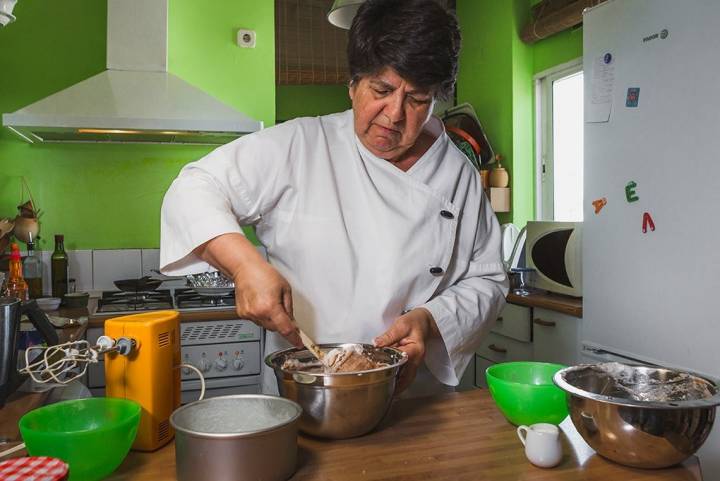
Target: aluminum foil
(209, 279)
(653, 385)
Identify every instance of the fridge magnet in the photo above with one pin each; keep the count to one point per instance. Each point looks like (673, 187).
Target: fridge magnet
(630, 194)
(633, 97)
(648, 222)
(599, 204)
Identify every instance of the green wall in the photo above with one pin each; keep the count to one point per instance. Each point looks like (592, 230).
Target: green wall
(108, 196)
(310, 100)
(103, 196)
(557, 49)
(495, 74)
(496, 77)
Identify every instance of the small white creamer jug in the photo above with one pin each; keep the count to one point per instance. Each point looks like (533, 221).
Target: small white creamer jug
(542, 444)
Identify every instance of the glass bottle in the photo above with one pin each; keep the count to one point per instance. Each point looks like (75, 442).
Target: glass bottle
(59, 267)
(16, 285)
(32, 272)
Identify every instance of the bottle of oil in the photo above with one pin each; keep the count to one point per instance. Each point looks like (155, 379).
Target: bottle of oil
(32, 272)
(16, 285)
(59, 268)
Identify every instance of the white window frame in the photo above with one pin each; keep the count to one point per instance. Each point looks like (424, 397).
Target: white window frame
(544, 188)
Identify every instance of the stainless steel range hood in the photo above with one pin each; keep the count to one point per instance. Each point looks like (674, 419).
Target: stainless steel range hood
(135, 99)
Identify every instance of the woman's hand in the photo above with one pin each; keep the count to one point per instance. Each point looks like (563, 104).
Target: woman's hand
(262, 295)
(409, 333)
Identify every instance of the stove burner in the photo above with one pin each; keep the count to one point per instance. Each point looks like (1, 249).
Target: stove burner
(188, 299)
(121, 301)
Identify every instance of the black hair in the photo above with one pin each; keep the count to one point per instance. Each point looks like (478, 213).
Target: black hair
(417, 38)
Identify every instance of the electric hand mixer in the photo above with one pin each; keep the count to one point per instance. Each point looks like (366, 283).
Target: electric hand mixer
(142, 361)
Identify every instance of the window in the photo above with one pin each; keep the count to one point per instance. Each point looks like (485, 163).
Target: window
(559, 143)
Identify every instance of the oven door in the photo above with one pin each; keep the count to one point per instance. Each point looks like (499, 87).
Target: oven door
(190, 390)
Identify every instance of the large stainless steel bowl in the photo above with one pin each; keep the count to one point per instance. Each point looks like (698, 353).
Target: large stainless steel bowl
(640, 416)
(339, 405)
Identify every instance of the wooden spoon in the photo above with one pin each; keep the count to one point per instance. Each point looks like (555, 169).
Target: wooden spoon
(311, 346)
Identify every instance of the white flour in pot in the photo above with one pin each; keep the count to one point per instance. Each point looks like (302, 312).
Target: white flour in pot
(235, 415)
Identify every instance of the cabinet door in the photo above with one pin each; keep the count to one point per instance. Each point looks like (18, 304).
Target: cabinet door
(555, 337)
(467, 381)
(499, 348)
(514, 322)
(481, 365)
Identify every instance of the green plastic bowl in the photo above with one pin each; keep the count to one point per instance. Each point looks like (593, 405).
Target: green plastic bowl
(525, 394)
(92, 435)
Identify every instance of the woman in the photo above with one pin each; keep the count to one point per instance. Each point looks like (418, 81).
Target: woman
(375, 225)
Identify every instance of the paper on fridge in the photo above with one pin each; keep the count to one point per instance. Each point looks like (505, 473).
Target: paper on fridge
(602, 82)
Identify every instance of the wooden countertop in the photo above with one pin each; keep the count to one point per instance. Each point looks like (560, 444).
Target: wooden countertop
(572, 306)
(96, 319)
(459, 436)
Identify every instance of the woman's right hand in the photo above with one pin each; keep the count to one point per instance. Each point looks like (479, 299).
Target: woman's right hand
(262, 295)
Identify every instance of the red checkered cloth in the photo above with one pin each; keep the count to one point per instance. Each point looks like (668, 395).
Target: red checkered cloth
(38, 468)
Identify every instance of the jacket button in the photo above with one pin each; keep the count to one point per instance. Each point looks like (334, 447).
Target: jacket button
(447, 214)
(436, 270)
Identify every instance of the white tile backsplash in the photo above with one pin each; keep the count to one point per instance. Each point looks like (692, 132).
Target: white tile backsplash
(95, 270)
(150, 260)
(81, 269)
(114, 264)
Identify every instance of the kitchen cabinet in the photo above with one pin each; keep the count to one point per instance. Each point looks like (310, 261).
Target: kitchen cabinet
(514, 322)
(555, 336)
(499, 348)
(509, 340)
(481, 365)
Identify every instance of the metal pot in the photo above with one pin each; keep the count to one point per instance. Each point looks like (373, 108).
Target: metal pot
(242, 437)
(344, 404)
(617, 410)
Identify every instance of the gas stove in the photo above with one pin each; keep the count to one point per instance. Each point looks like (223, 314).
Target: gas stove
(227, 351)
(184, 299)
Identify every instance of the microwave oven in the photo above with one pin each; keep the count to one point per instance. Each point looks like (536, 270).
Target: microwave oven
(554, 250)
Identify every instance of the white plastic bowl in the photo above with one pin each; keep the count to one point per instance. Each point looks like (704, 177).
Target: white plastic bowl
(48, 303)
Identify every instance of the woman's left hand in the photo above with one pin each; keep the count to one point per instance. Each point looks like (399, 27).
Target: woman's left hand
(409, 333)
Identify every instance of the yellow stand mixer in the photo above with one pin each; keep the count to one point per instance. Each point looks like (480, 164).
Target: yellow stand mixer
(142, 361)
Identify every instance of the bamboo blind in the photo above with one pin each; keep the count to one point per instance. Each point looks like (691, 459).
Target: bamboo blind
(309, 50)
(552, 16)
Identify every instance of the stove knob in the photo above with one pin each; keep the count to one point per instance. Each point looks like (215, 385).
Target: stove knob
(238, 363)
(187, 370)
(220, 364)
(204, 365)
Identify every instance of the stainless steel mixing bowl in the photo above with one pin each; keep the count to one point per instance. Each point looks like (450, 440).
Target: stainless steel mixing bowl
(339, 405)
(624, 418)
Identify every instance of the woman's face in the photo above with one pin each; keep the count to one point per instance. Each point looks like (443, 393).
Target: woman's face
(389, 113)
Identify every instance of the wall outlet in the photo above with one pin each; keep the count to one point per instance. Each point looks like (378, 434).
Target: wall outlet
(246, 38)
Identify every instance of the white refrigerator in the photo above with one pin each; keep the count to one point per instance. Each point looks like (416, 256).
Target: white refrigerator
(651, 254)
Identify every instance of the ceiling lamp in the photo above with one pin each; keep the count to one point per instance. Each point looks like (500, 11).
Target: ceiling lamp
(342, 12)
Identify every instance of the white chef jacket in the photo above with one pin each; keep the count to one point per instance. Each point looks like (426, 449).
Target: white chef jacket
(359, 240)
